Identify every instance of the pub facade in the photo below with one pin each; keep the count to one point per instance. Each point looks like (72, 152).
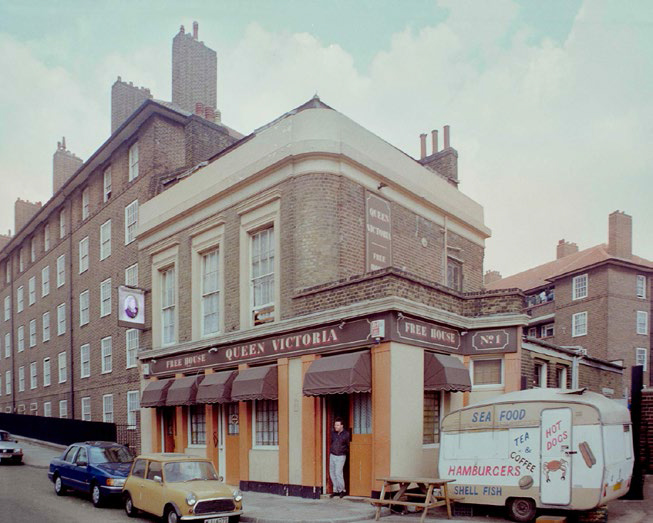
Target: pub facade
(314, 271)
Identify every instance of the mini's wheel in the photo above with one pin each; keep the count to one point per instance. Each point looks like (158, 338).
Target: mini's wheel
(171, 515)
(521, 509)
(96, 495)
(234, 519)
(59, 489)
(130, 510)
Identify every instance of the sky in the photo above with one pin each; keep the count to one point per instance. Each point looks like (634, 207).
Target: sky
(550, 103)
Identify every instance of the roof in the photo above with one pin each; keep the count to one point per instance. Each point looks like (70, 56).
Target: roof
(171, 456)
(543, 274)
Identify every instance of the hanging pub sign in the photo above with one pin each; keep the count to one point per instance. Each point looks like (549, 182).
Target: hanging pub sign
(378, 232)
(131, 307)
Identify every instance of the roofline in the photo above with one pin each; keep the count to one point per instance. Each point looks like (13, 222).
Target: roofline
(610, 261)
(542, 343)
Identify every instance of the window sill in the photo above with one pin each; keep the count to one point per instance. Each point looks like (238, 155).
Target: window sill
(196, 446)
(265, 447)
(492, 386)
(427, 446)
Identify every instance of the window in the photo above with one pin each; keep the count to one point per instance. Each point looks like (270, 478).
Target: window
(46, 237)
(7, 308)
(561, 377)
(107, 355)
(105, 240)
(641, 286)
(8, 382)
(579, 287)
(641, 358)
(107, 184)
(21, 260)
(532, 332)
(139, 468)
(86, 409)
(45, 332)
(131, 275)
(7, 271)
(210, 293)
(85, 361)
(362, 413)
(8, 345)
(61, 270)
(548, 330)
(579, 324)
(33, 380)
(132, 347)
(133, 162)
(62, 223)
(83, 255)
(46, 372)
(232, 416)
(45, 281)
(47, 409)
(642, 322)
(131, 221)
(262, 281)
(154, 470)
(84, 305)
(487, 372)
(21, 379)
(133, 406)
(107, 408)
(32, 250)
(454, 274)
(61, 319)
(20, 303)
(63, 369)
(21, 338)
(266, 422)
(32, 333)
(168, 305)
(540, 374)
(63, 410)
(431, 434)
(105, 298)
(197, 424)
(34, 409)
(31, 290)
(85, 203)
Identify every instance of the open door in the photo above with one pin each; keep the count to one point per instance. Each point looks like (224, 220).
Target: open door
(337, 406)
(555, 475)
(360, 450)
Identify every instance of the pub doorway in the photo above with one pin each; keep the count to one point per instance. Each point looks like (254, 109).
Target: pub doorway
(337, 406)
(168, 429)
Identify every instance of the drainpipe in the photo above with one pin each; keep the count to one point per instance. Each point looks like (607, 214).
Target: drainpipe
(11, 337)
(70, 321)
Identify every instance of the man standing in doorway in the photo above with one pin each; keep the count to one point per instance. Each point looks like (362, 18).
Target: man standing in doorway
(340, 439)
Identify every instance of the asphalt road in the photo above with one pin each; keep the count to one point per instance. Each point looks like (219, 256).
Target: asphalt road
(26, 495)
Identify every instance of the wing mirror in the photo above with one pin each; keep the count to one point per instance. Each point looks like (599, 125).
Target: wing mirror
(220, 479)
(158, 480)
(82, 463)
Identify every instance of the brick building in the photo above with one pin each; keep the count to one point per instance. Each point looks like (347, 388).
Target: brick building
(62, 351)
(311, 271)
(596, 301)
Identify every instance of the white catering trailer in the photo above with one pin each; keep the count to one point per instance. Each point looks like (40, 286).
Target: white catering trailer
(548, 448)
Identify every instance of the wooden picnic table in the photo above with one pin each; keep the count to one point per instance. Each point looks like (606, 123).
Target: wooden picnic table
(424, 500)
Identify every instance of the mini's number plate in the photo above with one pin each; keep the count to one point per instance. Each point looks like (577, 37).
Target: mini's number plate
(217, 520)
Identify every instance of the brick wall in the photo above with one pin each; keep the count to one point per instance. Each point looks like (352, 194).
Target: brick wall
(125, 99)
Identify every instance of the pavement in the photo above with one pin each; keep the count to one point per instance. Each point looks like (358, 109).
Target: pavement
(269, 508)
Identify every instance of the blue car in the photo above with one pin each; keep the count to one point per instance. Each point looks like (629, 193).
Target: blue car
(98, 468)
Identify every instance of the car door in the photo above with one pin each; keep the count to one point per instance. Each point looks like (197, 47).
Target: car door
(66, 466)
(136, 479)
(79, 472)
(153, 490)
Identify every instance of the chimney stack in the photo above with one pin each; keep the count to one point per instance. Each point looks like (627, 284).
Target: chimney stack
(491, 277)
(64, 165)
(195, 30)
(446, 137)
(444, 162)
(422, 146)
(565, 248)
(620, 235)
(434, 140)
(23, 212)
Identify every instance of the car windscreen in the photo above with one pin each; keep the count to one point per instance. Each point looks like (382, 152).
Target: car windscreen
(178, 471)
(111, 455)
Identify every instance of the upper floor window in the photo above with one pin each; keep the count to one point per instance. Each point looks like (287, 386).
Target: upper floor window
(86, 410)
(61, 319)
(540, 374)
(46, 237)
(85, 203)
(63, 409)
(33, 381)
(133, 162)
(61, 270)
(7, 308)
(642, 322)
(7, 271)
(641, 358)
(106, 183)
(548, 330)
(21, 338)
(83, 255)
(21, 379)
(62, 223)
(32, 250)
(20, 303)
(641, 286)
(21, 260)
(45, 331)
(8, 345)
(454, 274)
(46, 372)
(579, 324)
(105, 240)
(107, 408)
(210, 293)
(45, 281)
(168, 305)
(32, 333)
(84, 308)
(262, 279)
(31, 290)
(487, 373)
(131, 221)
(131, 275)
(133, 406)
(579, 287)
(105, 298)
(85, 359)
(132, 347)
(63, 367)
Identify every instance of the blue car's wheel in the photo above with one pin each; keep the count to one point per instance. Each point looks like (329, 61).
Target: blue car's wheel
(96, 495)
(59, 489)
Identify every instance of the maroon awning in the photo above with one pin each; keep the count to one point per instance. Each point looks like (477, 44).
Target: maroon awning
(445, 373)
(340, 374)
(155, 392)
(183, 391)
(216, 387)
(255, 383)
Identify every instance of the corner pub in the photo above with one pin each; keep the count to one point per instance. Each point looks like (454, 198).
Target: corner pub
(314, 271)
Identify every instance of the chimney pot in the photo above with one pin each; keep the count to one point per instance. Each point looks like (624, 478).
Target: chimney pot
(209, 113)
(446, 137)
(565, 248)
(195, 30)
(199, 109)
(434, 139)
(422, 142)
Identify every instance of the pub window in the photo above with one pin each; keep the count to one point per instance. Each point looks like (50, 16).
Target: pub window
(262, 282)
(168, 305)
(454, 274)
(266, 423)
(232, 413)
(487, 372)
(362, 413)
(431, 417)
(210, 293)
(197, 424)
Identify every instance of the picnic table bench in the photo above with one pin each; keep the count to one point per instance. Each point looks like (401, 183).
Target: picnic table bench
(425, 500)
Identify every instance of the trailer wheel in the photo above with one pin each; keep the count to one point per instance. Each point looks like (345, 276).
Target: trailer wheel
(521, 509)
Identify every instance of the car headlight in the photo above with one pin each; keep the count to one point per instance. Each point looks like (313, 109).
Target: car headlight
(238, 495)
(115, 482)
(18, 450)
(191, 498)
